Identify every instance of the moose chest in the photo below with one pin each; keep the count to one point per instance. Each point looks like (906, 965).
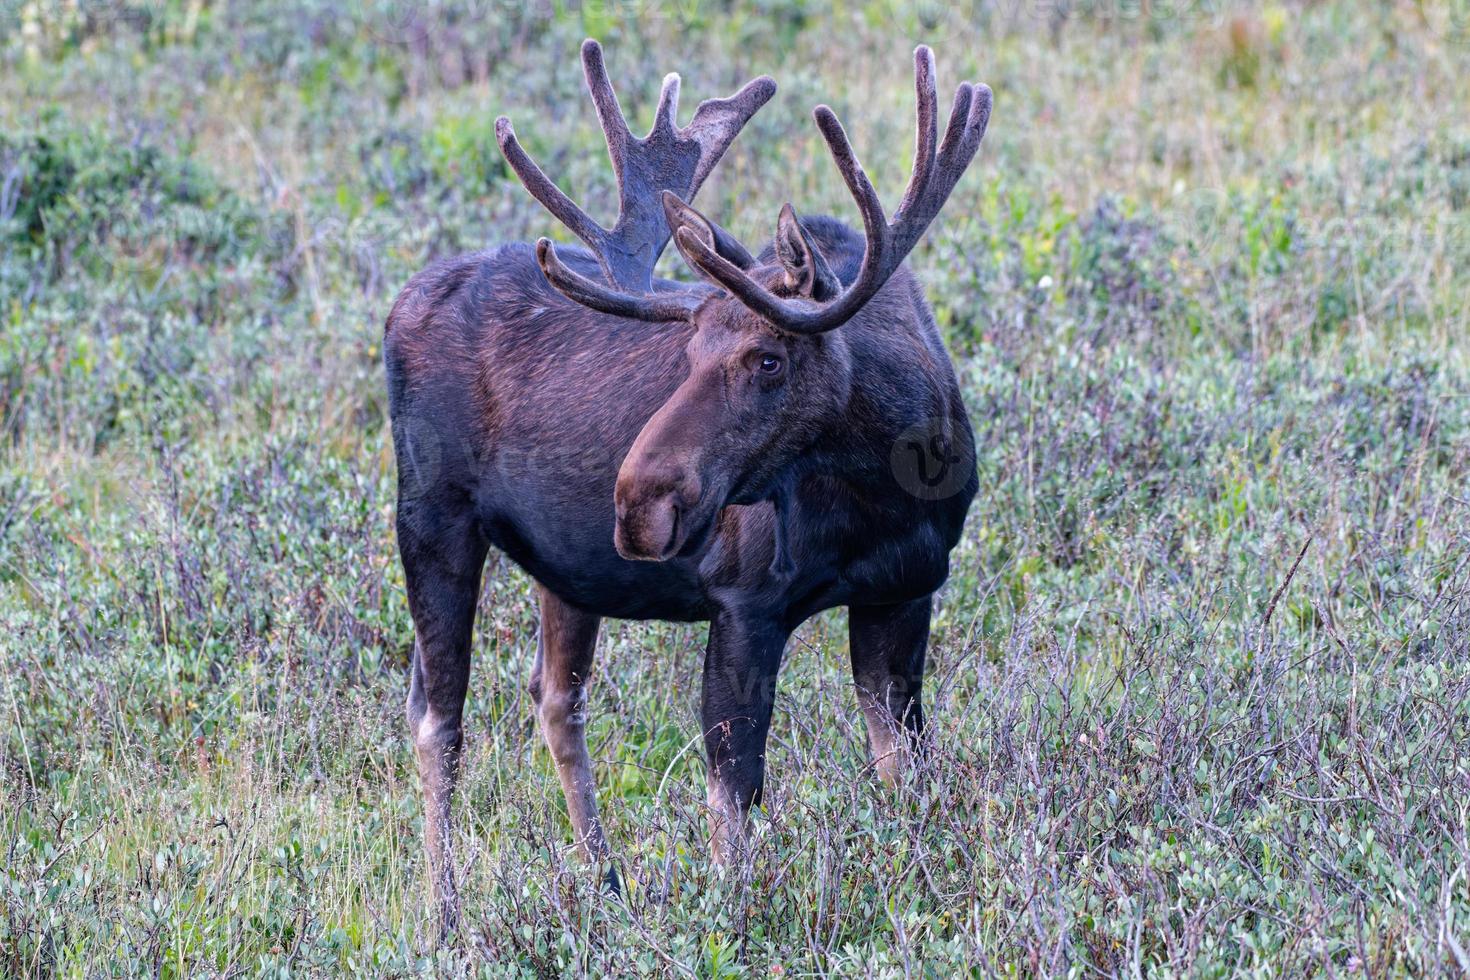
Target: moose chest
(842, 551)
(887, 557)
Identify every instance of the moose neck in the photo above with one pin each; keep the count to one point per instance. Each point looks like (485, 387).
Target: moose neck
(903, 397)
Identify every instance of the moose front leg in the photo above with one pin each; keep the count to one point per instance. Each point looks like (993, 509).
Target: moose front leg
(888, 647)
(443, 557)
(559, 688)
(740, 667)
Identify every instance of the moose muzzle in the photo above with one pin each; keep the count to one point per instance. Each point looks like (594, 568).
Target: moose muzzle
(656, 494)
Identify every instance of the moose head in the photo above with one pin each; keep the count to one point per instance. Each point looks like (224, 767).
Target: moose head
(769, 368)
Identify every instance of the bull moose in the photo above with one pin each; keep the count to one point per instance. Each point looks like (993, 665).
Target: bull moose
(782, 437)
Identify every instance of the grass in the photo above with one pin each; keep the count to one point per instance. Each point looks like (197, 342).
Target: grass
(1198, 683)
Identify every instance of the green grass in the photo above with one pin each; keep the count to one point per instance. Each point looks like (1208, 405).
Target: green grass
(1206, 290)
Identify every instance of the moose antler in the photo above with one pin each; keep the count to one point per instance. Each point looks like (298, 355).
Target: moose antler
(936, 171)
(668, 158)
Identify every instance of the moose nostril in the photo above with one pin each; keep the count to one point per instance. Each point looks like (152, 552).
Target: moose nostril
(650, 530)
(662, 526)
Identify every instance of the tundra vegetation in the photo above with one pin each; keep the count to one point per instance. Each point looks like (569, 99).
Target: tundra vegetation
(1197, 683)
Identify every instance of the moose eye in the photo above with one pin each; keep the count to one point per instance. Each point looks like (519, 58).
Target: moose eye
(770, 364)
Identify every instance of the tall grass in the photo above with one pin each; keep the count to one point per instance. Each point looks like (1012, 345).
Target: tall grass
(1198, 684)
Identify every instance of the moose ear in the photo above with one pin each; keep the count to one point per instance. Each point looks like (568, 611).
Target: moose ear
(681, 215)
(807, 272)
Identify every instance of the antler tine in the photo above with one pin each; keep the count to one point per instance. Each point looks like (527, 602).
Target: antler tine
(717, 122)
(678, 213)
(653, 307)
(936, 171)
(665, 118)
(668, 158)
(609, 113)
(926, 128)
(853, 174)
(541, 187)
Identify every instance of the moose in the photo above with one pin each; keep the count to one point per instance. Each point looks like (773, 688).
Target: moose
(782, 437)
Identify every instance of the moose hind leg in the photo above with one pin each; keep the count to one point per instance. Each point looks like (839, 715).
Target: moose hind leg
(888, 646)
(443, 557)
(740, 668)
(559, 688)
